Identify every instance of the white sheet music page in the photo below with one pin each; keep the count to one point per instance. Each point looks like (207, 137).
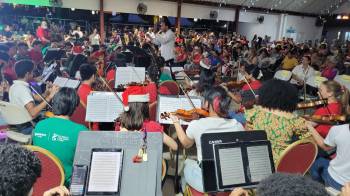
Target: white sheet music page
(103, 107)
(60, 81)
(126, 75)
(259, 162)
(231, 163)
(171, 104)
(72, 83)
(105, 172)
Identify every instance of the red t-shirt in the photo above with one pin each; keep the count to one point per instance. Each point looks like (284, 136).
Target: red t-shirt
(41, 34)
(9, 71)
(36, 56)
(148, 125)
(197, 58)
(151, 89)
(334, 108)
(83, 92)
(256, 84)
(110, 75)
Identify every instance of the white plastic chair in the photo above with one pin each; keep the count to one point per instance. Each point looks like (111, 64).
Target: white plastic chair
(283, 75)
(15, 115)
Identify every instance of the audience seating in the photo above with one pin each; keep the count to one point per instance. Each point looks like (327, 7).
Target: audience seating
(52, 173)
(298, 157)
(169, 88)
(15, 115)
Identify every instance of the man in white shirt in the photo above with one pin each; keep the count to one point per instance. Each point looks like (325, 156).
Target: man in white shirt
(334, 173)
(166, 39)
(303, 72)
(78, 32)
(20, 92)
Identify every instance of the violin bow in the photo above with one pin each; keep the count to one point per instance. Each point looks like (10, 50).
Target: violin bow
(41, 97)
(188, 97)
(111, 90)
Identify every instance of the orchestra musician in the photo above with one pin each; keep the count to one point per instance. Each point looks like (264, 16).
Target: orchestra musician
(20, 93)
(88, 77)
(43, 33)
(302, 72)
(337, 103)
(274, 114)
(217, 102)
(136, 115)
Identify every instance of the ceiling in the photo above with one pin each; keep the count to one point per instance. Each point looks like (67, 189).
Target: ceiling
(301, 6)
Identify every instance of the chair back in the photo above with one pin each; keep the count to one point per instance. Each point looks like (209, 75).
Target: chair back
(52, 173)
(79, 115)
(153, 111)
(13, 114)
(283, 75)
(169, 88)
(298, 157)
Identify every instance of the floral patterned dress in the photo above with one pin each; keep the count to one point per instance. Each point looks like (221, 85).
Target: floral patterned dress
(281, 130)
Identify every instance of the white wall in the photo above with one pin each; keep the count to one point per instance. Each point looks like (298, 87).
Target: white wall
(82, 4)
(305, 27)
(248, 25)
(276, 25)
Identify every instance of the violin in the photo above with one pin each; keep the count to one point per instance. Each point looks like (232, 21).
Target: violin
(328, 119)
(311, 104)
(186, 115)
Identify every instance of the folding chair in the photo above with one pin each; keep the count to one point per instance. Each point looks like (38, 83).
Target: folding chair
(169, 88)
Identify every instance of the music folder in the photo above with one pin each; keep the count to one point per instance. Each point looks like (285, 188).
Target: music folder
(66, 82)
(242, 164)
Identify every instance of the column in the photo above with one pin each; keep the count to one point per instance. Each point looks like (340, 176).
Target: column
(102, 22)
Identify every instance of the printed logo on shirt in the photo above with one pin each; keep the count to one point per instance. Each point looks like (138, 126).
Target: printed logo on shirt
(59, 138)
(40, 135)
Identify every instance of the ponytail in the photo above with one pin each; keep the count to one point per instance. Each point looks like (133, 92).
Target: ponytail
(219, 100)
(345, 101)
(340, 93)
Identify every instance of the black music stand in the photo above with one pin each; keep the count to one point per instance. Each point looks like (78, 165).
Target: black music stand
(53, 54)
(208, 159)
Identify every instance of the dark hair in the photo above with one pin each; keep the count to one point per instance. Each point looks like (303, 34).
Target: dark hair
(19, 170)
(218, 98)
(65, 101)
(36, 42)
(87, 71)
(153, 72)
(290, 185)
(23, 67)
(206, 80)
(166, 22)
(308, 58)
(133, 119)
(278, 94)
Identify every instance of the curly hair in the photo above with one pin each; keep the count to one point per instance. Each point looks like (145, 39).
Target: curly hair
(290, 185)
(278, 94)
(19, 170)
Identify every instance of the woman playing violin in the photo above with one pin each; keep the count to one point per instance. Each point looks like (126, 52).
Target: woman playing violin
(217, 102)
(338, 103)
(206, 80)
(274, 114)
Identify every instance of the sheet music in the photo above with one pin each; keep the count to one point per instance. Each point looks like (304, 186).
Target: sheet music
(60, 81)
(259, 163)
(103, 107)
(126, 75)
(72, 83)
(171, 104)
(231, 163)
(105, 172)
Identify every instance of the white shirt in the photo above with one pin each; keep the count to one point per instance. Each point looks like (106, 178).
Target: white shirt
(20, 93)
(302, 73)
(339, 168)
(167, 44)
(208, 125)
(80, 33)
(95, 39)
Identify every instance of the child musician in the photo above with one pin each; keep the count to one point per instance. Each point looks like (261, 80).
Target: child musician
(136, 115)
(217, 102)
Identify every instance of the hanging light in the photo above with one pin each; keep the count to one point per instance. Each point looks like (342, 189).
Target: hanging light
(195, 19)
(160, 16)
(114, 13)
(73, 9)
(339, 17)
(93, 12)
(345, 17)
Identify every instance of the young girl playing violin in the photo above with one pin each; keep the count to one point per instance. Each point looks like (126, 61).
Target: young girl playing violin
(136, 116)
(337, 98)
(217, 102)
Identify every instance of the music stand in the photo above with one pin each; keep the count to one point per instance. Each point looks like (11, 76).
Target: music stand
(208, 159)
(53, 54)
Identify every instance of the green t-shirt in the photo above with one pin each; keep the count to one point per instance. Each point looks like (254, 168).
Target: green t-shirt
(60, 137)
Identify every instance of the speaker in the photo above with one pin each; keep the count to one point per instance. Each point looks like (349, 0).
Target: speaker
(213, 14)
(260, 19)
